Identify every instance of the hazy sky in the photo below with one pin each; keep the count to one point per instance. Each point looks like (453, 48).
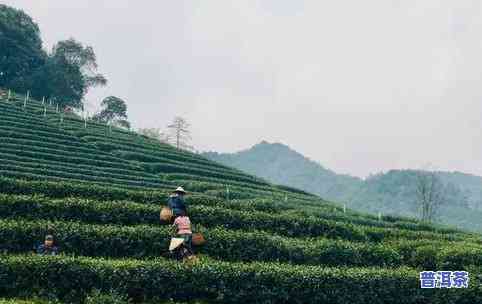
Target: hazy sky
(360, 86)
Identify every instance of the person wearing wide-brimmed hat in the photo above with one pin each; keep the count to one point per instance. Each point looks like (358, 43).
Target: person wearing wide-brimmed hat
(176, 202)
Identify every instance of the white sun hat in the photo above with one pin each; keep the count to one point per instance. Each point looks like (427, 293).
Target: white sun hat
(180, 189)
(175, 242)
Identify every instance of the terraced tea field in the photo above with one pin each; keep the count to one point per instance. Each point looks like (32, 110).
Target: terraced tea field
(100, 189)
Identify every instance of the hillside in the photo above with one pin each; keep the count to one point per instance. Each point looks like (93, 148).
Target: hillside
(393, 192)
(470, 185)
(389, 193)
(99, 189)
(280, 164)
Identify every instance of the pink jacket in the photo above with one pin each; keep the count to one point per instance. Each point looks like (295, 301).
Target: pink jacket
(183, 225)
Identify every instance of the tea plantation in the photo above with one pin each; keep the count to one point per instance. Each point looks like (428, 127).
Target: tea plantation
(100, 188)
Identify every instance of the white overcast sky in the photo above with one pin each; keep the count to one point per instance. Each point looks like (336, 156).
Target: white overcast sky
(359, 86)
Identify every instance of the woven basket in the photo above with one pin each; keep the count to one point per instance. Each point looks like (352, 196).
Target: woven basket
(198, 239)
(166, 214)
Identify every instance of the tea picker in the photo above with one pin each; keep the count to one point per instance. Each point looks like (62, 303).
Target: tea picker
(176, 212)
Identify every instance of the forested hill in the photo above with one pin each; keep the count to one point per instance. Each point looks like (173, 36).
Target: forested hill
(280, 164)
(390, 193)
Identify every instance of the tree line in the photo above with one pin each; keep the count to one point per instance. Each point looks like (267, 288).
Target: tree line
(64, 75)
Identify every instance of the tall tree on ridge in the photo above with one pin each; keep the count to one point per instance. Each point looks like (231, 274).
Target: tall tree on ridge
(181, 135)
(430, 194)
(67, 75)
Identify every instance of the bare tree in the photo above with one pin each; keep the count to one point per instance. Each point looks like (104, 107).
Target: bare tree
(430, 194)
(181, 135)
(155, 133)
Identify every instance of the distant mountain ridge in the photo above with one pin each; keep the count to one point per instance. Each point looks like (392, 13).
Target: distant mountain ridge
(278, 163)
(389, 193)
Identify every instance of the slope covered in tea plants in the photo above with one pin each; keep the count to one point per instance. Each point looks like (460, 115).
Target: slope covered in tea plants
(100, 189)
(32, 148)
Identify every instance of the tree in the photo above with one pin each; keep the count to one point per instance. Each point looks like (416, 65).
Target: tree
(58, 81)
(75, 54)
(20, 48)
(181, 135)
(155, 133)
(67, 75)
(114, 111)
(430, 194)
(64, 76)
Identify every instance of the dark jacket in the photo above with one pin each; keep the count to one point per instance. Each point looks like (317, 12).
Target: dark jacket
(177, 204)
(44, 250)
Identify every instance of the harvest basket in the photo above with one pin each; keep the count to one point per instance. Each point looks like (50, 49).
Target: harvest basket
(198, 239)
(166, 214)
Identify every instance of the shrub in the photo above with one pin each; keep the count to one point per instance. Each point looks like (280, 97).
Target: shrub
(97, 297)
(228, 282)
